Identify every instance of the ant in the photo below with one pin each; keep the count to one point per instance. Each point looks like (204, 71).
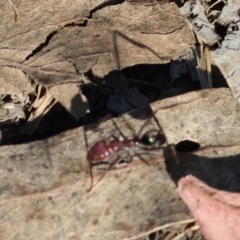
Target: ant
(103, 151)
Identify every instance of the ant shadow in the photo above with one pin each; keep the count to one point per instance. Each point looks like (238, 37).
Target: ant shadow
(132, 41)
(221, 172)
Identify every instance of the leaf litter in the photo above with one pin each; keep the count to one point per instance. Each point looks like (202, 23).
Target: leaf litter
(53, 178)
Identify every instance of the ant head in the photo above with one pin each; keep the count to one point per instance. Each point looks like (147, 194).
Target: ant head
(153, 138)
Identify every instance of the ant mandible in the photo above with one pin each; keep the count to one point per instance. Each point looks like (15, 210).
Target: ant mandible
(103, 151)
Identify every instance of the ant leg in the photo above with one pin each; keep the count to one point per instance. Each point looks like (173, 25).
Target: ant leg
(108, 169)
(159, 126)
(89, 163)
(85, 138)
(116, 161)
(141, 158)
(116, 126)
(152, 115)
(125, 139)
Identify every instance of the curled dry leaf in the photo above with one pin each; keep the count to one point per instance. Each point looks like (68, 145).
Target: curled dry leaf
(199, 23)
(70, 96)
(15, 85)
(42, 104)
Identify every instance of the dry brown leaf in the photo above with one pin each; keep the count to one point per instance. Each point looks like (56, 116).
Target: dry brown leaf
(17, 86)
(43, 184)
(42, 104)
(58, 43)
(227, 59)
(37, 21)
(115, 38)
(50, 46)
(71, 98)
(10, 112)
(198, 21)
(14, 82)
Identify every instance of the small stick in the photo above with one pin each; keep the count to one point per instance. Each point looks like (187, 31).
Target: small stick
(15, 10)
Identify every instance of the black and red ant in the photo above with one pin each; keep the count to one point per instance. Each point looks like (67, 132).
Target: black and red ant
(103, 151)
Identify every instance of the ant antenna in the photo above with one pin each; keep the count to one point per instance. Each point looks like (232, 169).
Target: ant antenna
(91, 176)
(102, 176)
(152, 115)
